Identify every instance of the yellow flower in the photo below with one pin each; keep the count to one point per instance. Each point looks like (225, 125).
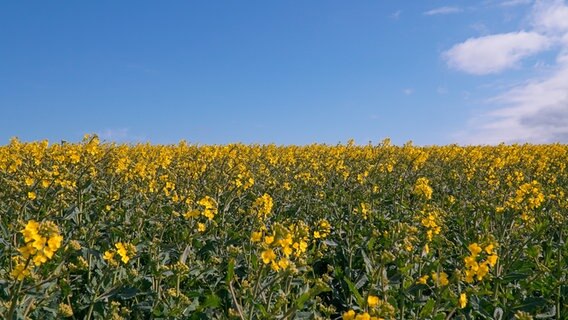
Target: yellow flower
(284, 263)
(475, 249)
(191, 214)
(286, 241)
(27, 250)
(39, 242)
(442, 280)
(489, 248)
(30, 230)
(39, 258)
(482, 271)
(256, 236)
(54, 242)
(31, 195)
(423, 279)
(201, 227)
(125, 251)
(372, 301)
(492, 259)
(263, 205)
(121, 249)
(349, 315)
(42, 240)
(274, 266)
(269, 239)
(422, 188)
(469, 274)
(108, 255)
(471, 263)
(268, 256)
(210, 205)
(20, 272)
(287, 251)
(363, 316)
(29, 181)
(65, 310)
(303, 246)
(462, 300)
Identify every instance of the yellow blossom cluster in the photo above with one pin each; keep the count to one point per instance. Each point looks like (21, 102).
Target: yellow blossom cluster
(438, 278)
(124, 250)
(431, 223)
(462, 300)
(527, 198)
(530, 194)
(476, 266)
(209, 207)
(281, 244)
(262, 206)
(352, 315)
(42, 240)
(422, 188)
(378, 309)
(323, 229)
(244, 181)
(290, 216)
(364, 209)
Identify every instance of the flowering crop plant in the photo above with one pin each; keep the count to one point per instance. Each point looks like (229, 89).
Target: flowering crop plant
(97, 230)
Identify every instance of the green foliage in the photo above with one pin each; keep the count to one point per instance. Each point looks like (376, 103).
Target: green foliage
(266, 232)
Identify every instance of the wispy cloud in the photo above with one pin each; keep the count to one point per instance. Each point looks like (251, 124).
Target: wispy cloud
(513, 3)
(118, 135)
(480, 28)
(551, 17)
(535, 110)
(443, 10)
(408, 91)
(396, 15)
(495, 53)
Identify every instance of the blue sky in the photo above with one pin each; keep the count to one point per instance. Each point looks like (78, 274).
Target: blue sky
(285, 72)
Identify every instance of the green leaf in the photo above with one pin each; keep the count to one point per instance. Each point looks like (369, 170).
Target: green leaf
(230, 271)
(355, 292)
(185, 253)
(368, 264)
(531, 304)
(428, 308)
(330, 243)
(211, 301)
(127, 293)
(311, 293)
(440, 316)
(514, 276)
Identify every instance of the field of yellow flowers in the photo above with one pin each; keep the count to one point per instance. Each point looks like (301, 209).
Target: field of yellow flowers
(97, 230)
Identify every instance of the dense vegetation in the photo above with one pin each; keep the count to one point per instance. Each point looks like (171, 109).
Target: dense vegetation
(105, 231)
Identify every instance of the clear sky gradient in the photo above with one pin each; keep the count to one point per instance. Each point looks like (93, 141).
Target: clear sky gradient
(285, 72)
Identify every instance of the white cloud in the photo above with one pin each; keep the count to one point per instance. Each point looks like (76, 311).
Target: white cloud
(114, 134)
(480, 28)
(408, 91)
(443, 10)
(495, 53)
(396, 15)
(533, 112)
(550, 16)
(512, 3)
(537, 109)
